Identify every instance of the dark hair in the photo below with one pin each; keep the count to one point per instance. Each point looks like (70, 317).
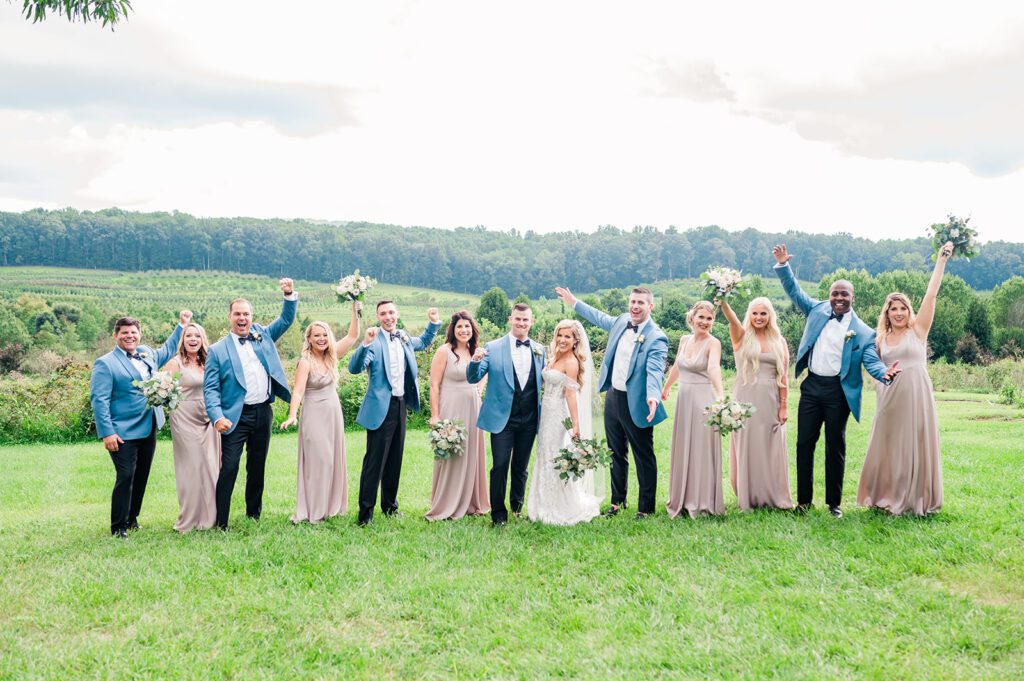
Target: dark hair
(644, 291)
(521, 307)
(474, 339)
(127, 321)
(231, 305)
(384, 302)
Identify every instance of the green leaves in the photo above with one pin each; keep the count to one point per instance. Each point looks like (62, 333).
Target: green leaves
(109, 12)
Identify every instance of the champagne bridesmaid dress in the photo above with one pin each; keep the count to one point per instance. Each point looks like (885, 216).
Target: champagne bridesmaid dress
(322, 485)
(196, 446)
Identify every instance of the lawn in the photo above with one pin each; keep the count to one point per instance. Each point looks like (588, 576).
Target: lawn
(750, 595)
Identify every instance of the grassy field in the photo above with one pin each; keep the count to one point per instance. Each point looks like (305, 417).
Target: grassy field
(751, 595)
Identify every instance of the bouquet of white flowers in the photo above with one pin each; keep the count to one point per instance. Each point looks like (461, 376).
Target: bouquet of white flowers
(956, 230)
(722, 282)
(354, 287)
(582, 456)
(447, 438)
(161, 390)
(728, 415)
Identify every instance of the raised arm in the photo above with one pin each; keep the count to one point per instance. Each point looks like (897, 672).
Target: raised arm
(301, 377)
(437, 367)
(345, 344)
(926, 315)
(789, 282)
(170, 346)
(715, 367)
(478, 365)
(363, 355)
(427, 337)
(277, 327)
(736, 331)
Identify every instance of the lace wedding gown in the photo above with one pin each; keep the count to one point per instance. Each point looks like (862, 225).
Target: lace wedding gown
(554, 501)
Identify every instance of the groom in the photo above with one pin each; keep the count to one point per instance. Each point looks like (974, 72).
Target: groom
(243, 376)
(631, 374)
(125, 423)
(386, 354)
(834, 345)
(511, 408)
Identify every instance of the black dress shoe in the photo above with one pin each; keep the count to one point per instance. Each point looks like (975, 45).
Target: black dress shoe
(802, 509)
(393, 514)
(134, 525)
(640, 515)
(120, 534)
(254, 518)
(835, 512)
(614, 509)
(498, 523)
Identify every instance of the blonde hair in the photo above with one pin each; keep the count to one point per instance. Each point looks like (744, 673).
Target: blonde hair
(884, 326)
(699, 305)
(204, 349)
(575, 327)
(748, 355)
(329, 359)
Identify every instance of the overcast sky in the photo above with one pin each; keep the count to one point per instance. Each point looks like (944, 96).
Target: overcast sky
(872, 118)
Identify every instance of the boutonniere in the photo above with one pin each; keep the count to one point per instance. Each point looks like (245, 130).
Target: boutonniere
(536, 350)
(403, 336)
(143, 355)
(639, 339)
(849, 335)
(256, 336)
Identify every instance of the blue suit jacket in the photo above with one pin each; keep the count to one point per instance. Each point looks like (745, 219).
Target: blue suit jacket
(646, 365)
(374, 360)
(224, 379)
(118, 406)
(501, 386)
(859, 350)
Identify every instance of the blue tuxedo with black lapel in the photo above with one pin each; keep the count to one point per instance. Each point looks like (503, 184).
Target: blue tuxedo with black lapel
(501, 386)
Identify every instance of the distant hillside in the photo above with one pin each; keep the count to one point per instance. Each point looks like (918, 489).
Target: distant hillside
(467, 260)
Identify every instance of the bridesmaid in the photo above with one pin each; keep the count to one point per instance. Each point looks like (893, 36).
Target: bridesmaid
(322, 482)
(196, 443)
(758, 459)
(695, 474)
(903, 466)
(460, 484)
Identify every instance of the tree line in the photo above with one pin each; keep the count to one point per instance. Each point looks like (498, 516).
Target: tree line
(467, 260)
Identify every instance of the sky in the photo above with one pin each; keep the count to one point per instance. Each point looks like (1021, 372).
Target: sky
(873, 118)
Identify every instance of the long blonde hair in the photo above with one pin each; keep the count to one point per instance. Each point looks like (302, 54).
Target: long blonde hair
(884, 326)
(748, 355)
(329, 358)
(573, 326)
(204, 349)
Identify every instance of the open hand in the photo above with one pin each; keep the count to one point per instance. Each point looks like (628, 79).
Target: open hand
(480, 353)
(185, 317)
(653, 404)
(223, 425)
(289, 422)
(893, 371)
(371, 334)
(566, 295)
(287, 286)
(113, 442)
(433, 316)
(782, 255)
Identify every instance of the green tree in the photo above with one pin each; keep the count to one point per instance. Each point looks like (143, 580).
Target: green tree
(107, 11)
(12, 329)
(671, 313)
(979, 325)
(1008, 303)
(614, 302)
(494, 307)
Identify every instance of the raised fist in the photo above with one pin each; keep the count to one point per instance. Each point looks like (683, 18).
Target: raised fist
(433, 316)
(287, 286)
(185, 317)
(371, 335)
(480, 353)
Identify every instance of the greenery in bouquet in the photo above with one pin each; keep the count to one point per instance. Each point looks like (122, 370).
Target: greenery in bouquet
(722, 282)
(447, 438)
(964, 238)
(353, 287)
(727, 415)
(583, 455)
(162, 389)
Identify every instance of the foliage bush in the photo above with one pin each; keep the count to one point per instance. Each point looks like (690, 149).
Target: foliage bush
(55, 409)
(947, 376)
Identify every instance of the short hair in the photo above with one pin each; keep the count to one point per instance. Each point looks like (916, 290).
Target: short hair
(231, 305)
(126, 321)
(644, 291)
(521, 307)
(384, 302)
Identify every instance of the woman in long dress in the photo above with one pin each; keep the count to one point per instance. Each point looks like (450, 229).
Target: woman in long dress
(460, 483)
(903, 465)
(568, 381)
(196, 443)
(322, 482)
(758, 459)
(695, 472)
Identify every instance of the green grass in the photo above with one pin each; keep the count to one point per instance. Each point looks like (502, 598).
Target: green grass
(751, 595)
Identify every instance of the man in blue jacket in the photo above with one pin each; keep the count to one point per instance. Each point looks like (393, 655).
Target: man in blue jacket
(124, 421)
(834, 346)
(243, 376)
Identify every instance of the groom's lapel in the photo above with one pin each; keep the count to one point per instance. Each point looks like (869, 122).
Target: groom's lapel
(236, 361)
(385, 355)
(506, 358)
(127, 364)
(538, 364)
(613, 340)
(848, 345)
(638, 346)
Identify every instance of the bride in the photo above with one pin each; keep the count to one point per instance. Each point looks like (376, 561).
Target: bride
(568, 393)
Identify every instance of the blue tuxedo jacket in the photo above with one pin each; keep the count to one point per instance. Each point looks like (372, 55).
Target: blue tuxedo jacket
(224, 379)
(646, 364)
(117, 405)
(374, 360)
(501, 386)
(859, 350)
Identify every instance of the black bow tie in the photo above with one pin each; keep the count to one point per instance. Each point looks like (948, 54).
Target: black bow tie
(837, 317)
(523, 342)
(134, 356)
(250, 337)
(632, 327)
(395, 336)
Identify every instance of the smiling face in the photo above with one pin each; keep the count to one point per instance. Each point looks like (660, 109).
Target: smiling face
(565, 339)
(840, 296)
(387, 317)
(240, 317)
(520, 321)
(192, 341)
(463, 331)
(318, 339)
(640, 305)
(759, 316)
(703, 320)
(128, 337)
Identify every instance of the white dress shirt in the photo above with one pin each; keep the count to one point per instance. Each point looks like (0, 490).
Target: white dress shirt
(827, 354)
(139, 365)
(257, 382)
(623, 355)
(521, 359)
(396, 364)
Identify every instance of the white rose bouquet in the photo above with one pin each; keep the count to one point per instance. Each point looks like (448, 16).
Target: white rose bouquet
(354, 287)
(955, 229)
(582, 456)
(722, 282)
(727, 415)
(162, 389)
(447, 438)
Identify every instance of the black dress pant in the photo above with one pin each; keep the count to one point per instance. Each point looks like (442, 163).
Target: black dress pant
(132, 462)
(623, 434)
(253, 433)
(382, 464)
(822, 400)
(513, 444)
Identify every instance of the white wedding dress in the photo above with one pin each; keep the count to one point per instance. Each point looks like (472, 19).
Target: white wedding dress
(554, 501)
